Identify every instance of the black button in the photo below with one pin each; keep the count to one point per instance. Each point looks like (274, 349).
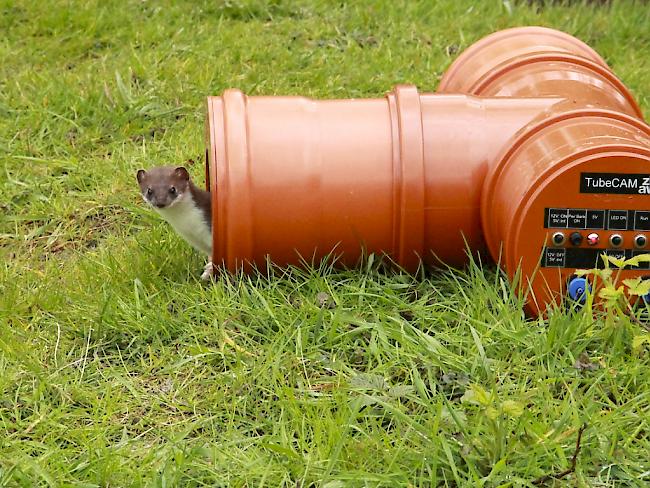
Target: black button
(595, 219)
(616, 240)
(640, 241)
(575, 238)
(641, 220)
(558, 238)
(617, 220)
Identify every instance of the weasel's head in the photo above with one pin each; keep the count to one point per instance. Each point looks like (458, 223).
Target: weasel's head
(164, 186)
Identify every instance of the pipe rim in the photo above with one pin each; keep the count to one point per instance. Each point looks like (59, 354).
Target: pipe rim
(231, 171)
(212, 177)
(490, 39)
(405, 109)
(484, 83)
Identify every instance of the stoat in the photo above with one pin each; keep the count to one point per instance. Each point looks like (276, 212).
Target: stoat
(171, 192)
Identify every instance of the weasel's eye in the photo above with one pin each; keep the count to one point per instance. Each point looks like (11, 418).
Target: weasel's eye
(149, 192)
(172, 190)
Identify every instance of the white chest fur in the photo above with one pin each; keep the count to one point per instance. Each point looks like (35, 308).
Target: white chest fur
(186, 219)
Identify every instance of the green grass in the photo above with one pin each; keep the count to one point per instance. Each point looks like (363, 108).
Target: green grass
(118, 368)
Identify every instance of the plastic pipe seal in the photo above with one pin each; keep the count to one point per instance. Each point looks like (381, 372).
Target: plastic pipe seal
(578, 288)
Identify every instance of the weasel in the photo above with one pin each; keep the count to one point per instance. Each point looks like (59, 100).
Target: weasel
(172, 194)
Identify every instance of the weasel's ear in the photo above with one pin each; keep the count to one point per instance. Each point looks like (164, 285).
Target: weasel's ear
(182, 173)
(140, 175)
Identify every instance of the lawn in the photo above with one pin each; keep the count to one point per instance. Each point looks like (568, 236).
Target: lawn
(118, 367)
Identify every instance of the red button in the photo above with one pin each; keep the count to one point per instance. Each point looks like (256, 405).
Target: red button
(592, 239)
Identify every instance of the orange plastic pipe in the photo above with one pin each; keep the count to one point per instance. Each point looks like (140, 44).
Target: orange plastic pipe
(426, 176)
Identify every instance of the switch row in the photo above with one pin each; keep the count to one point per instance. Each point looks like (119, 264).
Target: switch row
(615, 240)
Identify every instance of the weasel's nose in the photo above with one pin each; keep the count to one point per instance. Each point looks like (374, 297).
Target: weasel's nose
(159, 205)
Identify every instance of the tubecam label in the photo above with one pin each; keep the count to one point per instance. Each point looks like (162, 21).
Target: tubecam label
(617, 183)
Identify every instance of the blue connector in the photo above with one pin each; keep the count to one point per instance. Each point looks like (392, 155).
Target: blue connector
(578, 288)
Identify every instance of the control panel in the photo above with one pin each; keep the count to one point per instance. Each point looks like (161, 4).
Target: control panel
(580, 236)
(558, 210)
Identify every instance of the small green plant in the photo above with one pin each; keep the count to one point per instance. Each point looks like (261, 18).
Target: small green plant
(621, 301)
(500, 416)
(615, 296)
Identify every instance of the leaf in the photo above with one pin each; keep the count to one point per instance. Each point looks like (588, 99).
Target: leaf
(637, 286)
(619, 263)
(470, 397)
(611, 294)
(636, 260)
(476, 395)
(639, 341)
(370, 262)
(497, 468)
(605, 274)
(197, 350)
(584, 272)
(277, 448)
(367, 381)
(369, 400)
(401, 391)
(334, 484)
(512, 408)
(491, 413)
(453, 417)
